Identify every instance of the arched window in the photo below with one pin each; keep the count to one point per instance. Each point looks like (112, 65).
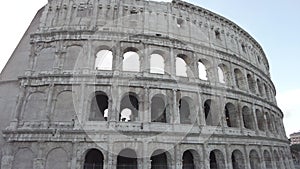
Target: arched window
(104, 60)
(221, 75)
(251, 83)
(239, 79)
(261, 122)
(267, 91)
(129, 108)
(127, 159)
(64, 107)
(268, 160)
(185, 110)
(72, 54)
(216, 160)
(34, 107)
(202, 71)
(45, 59)
(23, 159)
(231, 115)
(208, 112)
(99, 107)
(160, 159)
(131, 61)
(188, 160)
(181, 66)
(159, 109)
(269, 122)
(254, 160)
(57, 159)
(237, 160)
(260, 87)
(157, 64)
(93, 160)
(247, 118)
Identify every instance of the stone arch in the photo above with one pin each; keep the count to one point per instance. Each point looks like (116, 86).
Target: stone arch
(99, 107)
(260, 87)
(161, 159)
(248, 118)
(239, 79)
(223, 74)
(182, 65)
(157, 63)
(267, 160)
(269, 122)
(267, 91)
(23, 159)
(127, 159)
(277, 159)
(159, 109)
(64, 109)
(131, 60)
(255, 162)
(34, 107)
(72, 54)
(216, 159)
(237, 159)
(208, 112)
(190, 159)
(94, 159)
(186, 108)
(231, 115)
(202, 69)
(251, 83)
(103, 60)
(45, 59)
(261, 122)
(57, 159)
(129, 107)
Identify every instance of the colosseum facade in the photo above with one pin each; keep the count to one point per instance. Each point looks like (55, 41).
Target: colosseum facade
(138, 84)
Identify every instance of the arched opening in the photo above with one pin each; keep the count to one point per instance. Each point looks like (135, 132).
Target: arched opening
(239, 79)
(57, 159)
(269, 122)
(34, 107)
(185, 109)
(216, 160)
(277, 160)
(131, 61)
(251, 83)
(254, 160)
(188, 160)
(127, 159)
(260, 87)
(247, 118)
(104, 60)
(23, 159)
(129, 108)
(231, 115)
(160, 159)
(267, 91)
(221, 75)
(202, 71)
(260, 120)
(237, 160)
(157, 64)
(64, 109)
(99, 107)
(159, 109)
(93, 159)
(181, 66)
(208, 112)
(267, 159)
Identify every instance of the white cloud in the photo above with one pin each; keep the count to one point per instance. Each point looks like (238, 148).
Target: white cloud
(289, 102)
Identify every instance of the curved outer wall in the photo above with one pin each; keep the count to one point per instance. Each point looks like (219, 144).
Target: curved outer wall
(49, 87)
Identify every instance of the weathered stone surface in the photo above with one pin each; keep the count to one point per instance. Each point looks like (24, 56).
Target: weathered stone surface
(139, 83)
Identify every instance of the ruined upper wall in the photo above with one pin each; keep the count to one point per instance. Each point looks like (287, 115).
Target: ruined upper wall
(178, 20)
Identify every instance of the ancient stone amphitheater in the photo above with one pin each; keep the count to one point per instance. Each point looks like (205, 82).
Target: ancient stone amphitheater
(138, 84)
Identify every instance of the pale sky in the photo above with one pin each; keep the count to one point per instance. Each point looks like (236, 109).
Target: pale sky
(275, 24)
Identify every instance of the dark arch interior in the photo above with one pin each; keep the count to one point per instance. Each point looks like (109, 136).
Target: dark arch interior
(127, 159)
(99, 104)
(188, 160)
(237, 160)
(208, 113)
(93, 160)
(158, 110)
(213, 160)
(159, 161)
(185, 112)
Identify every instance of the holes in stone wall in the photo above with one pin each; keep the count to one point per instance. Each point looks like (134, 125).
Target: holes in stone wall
(129, 108)
(239, 79)
(99, 107)
(247, 118)
(202, 71)
(231, 115)
(157, 64)
(237, 160)
(181, 66)
(131, 61)
(127, 159)
(159, 109)
(104, 60)
(94, 159)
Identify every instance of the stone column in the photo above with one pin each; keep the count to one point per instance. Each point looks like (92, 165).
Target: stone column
(39, 162)
(113, 116)
(147, 105)
(73, 156)
(228, 161)
(145, 64)
(17, 111)
(176, 115)
(172, 63)
(240, 116)
(205, 155)
(178, 157)
(201, 115)
(47, 114)
(117, 61)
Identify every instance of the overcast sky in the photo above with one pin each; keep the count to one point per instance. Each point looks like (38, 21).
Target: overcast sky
(275, 24)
